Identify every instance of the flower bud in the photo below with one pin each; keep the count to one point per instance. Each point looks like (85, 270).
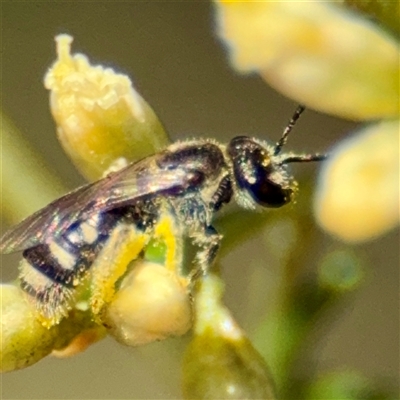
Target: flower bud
(319, 54)
(151, 303)
(220, 362)
(358, 194)
(340, 272)
(24, 340)
(102, 122)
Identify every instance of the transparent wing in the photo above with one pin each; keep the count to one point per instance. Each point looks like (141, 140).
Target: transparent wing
(119, 189)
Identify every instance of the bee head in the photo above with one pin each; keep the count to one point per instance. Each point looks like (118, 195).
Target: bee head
(259, 177)
(260, 171)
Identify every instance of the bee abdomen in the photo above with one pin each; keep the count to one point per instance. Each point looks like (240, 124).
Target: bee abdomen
(54, 262)
(49, 275)
(52, 300)
(50, 272)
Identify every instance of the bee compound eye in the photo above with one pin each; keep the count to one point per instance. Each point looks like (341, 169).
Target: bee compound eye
(256, 174)
(269, 194)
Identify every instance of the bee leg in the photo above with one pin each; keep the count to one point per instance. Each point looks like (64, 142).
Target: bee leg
(223, 194)
(123, 246)
(169, 233)
(208, 243)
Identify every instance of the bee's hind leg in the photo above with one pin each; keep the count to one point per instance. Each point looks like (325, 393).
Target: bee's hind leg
(124, 245)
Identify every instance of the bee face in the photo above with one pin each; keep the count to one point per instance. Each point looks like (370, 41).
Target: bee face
(94, 233)
(257, 173)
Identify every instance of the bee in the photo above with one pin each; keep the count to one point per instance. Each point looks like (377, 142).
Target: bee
(94, 232)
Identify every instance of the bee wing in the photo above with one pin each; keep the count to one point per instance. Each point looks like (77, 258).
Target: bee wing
(119, 189)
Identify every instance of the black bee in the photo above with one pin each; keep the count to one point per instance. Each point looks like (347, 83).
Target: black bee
(176, 192)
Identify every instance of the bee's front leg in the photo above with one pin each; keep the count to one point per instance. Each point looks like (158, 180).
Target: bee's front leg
(195, 215)
(208, 242)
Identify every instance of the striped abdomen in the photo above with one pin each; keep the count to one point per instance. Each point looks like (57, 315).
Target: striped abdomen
(51, 271)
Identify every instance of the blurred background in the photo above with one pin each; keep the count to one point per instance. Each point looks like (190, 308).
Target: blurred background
(176, 62)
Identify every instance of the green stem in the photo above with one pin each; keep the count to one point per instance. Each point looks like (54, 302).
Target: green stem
(26, 181)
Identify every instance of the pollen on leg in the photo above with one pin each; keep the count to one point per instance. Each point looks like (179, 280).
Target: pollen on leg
(166, 230)
(123, 246)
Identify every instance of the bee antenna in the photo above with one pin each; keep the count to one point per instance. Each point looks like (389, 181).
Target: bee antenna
(304, 158)
(282, 141)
